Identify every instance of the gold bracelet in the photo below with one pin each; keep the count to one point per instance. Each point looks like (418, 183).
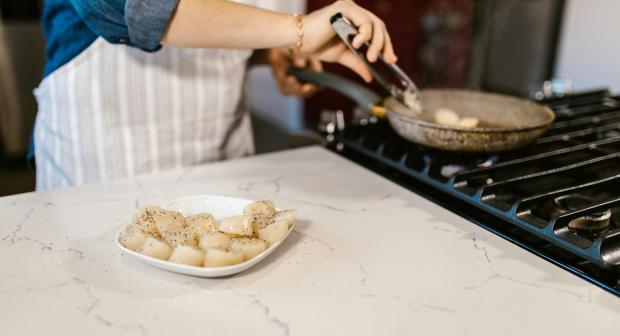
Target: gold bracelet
(300, 31)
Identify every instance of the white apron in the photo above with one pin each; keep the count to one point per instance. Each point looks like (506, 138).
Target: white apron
(116, 112)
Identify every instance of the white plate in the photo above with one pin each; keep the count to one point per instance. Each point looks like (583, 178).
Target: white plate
(219, 207)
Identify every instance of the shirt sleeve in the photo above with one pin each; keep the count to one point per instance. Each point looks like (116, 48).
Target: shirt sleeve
(138, 23)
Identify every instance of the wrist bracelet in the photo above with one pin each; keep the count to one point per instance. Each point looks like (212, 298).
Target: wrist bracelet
(300, 31)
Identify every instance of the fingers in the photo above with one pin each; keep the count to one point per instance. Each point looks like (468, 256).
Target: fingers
(371, 29)
(292, 86)
(281, 60)
(316, 65)
(278, 68)
(307, 90)
(363, 36)
(360, 18)
(295, 88)
(299, 61)
(353, 62)
(377, 43)
(310, 89)
(388, 50)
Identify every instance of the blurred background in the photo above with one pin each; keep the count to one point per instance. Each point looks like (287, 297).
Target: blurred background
(507, 46)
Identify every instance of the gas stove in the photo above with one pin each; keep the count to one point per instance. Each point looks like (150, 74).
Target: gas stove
(558, 198)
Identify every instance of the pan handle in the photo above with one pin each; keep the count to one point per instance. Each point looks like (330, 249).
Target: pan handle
(365, 98)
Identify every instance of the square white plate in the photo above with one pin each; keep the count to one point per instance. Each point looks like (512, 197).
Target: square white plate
(219, 207)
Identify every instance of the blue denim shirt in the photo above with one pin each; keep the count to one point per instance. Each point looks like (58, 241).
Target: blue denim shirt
(70, 26)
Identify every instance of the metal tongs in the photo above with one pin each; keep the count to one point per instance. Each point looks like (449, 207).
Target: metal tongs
(405, 91)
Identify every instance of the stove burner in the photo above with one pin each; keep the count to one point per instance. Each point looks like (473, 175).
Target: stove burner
(595, 222)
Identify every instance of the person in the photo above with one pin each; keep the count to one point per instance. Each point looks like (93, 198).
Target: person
(139, 86)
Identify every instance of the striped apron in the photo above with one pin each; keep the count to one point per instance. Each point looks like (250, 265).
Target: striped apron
(116, 112)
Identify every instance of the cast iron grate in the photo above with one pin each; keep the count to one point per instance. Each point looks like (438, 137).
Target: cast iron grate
(559, 198)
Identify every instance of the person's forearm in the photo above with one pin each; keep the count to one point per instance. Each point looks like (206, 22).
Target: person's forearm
(225, 24)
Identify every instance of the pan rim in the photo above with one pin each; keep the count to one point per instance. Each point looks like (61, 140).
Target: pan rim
(546, 123)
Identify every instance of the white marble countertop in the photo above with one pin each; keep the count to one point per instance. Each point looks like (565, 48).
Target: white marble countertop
(367, 258)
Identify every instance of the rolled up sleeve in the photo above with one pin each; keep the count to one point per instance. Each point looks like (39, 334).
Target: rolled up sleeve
(138, 23)
(147, 21)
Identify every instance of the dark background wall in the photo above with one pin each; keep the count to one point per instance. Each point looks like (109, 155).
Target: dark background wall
(23, 41)
(19, 9)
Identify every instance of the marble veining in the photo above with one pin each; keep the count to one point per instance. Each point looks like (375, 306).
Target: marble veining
(367, 257)
(267, 313)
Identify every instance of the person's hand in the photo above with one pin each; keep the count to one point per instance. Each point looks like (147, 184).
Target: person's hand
(283, 58)
(320, 40)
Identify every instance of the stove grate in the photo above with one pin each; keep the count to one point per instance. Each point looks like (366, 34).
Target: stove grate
(525, 191)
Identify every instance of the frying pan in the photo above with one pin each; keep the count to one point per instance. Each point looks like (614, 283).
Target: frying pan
(505, 122)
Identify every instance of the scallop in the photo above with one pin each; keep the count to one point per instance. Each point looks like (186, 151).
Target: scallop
(217, 240)
(218, 258)
(155, 248)
(469, 122)
(241, 225)
(187, 255)
(261, 212)
(287, 216)
(265, 208)
(410, 99)
(202, 223)
(146, 219)
(274, 232)
(132, 237)
(249, 247)
(174, 229)
(447, 117)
